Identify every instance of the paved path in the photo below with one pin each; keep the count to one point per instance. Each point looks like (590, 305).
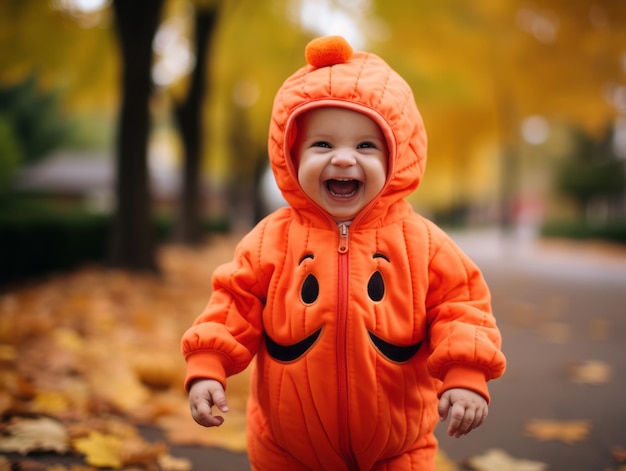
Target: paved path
(558, 304)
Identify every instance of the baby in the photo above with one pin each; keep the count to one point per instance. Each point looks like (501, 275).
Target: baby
(368, 324)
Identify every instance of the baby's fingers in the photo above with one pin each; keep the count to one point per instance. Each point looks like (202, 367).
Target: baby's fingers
(443, 407)
(463, 423)
(461, 420)
(203, 395)
(219, 399)
(202, 414)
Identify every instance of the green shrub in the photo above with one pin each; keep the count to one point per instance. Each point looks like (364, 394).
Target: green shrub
(614, 231)
(37, 245)
(35, 241)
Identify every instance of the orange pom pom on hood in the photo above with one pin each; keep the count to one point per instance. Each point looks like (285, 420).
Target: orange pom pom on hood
(328, 51)
(360, 81)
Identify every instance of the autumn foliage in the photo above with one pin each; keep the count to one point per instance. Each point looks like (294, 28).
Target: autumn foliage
(88, 357)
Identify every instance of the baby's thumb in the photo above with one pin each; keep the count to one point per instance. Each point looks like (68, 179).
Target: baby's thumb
(219, 399)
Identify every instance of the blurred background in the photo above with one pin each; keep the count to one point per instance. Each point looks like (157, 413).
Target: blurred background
(125, 124)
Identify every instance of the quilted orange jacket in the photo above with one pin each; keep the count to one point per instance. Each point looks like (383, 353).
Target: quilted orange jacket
(358, 328)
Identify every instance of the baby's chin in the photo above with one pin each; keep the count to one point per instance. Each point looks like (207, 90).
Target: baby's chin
(342, 216)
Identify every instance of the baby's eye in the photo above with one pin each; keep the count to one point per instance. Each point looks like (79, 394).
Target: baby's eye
(366, 145)
(321, 144)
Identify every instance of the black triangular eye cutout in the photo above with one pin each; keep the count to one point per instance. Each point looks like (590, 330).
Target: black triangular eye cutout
(310, 289)
(376, 287)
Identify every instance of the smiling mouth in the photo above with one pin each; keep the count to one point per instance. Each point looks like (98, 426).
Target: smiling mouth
(343, 188)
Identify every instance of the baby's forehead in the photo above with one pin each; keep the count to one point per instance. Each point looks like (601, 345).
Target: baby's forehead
(328, 116)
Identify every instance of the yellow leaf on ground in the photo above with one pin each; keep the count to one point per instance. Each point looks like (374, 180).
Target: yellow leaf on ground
(568, 431)
(590, 372)
(50, 402)
(27, 435)
(170, 463)
(116, 382)
(7, 353)
(100, 450)
(499, 460)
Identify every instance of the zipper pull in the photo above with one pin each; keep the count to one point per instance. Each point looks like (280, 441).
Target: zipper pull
(343, 238)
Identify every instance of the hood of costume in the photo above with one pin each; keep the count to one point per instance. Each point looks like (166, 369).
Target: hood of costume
(359, 81)
(356, 329)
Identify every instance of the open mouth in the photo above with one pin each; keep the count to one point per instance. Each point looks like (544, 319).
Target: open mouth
(343, 188)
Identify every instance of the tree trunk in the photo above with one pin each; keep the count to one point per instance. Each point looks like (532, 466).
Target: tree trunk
(189, 117)
(132, 244)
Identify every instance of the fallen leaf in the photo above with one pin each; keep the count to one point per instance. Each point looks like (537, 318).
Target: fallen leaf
(94, 343)
(499, 460)
(7, 353)
(115, 381)
(170, 463)
(108, 426)
(568, 431)
(127, 449)
(590, 372)
(50, 403)
(100, 450)
(27, 435)
(140, 453)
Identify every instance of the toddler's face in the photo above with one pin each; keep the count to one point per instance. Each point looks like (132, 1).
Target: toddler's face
(341, 159)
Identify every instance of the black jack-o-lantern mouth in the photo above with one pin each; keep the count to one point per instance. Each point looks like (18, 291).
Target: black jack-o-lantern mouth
(289, 353)
(309, 293)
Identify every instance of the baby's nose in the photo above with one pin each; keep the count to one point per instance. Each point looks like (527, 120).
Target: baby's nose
(343, 157)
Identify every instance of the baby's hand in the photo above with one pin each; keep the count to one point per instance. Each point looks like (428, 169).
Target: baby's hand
(203, 395)
(469, 410)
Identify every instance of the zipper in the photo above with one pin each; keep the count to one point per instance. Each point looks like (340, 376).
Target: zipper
(343, 238)
(342, 359)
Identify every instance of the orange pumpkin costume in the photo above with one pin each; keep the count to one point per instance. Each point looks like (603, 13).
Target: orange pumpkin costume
(356, 329)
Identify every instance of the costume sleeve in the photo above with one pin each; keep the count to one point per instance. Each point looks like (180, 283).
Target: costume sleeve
(225, 337)
(465, 341)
